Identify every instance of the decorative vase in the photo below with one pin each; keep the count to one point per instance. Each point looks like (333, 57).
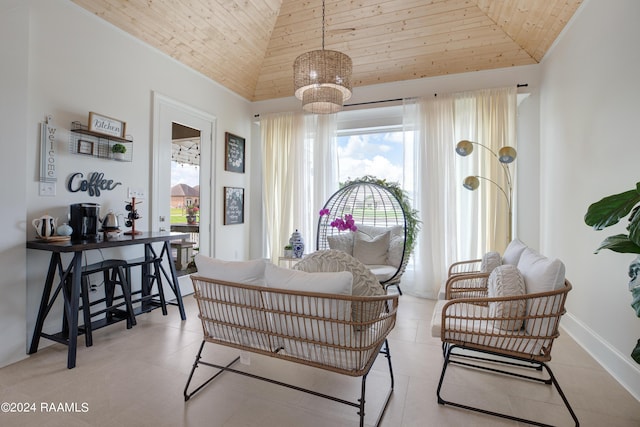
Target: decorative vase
(64, 230)
(297, 243)
(191, 219)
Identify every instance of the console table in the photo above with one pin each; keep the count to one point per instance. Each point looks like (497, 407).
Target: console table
(71, 297)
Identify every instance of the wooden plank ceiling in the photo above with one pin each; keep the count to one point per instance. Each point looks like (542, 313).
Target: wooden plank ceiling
(249, 45)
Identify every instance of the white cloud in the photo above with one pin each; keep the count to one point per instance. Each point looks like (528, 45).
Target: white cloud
(184, 174)
(379, 166)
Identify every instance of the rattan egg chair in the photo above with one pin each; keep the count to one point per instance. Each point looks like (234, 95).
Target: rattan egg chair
(371, 205)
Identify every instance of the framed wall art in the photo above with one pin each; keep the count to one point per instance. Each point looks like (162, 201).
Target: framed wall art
(85, 147)
(233, 153)
(233, 205)
(106, 125)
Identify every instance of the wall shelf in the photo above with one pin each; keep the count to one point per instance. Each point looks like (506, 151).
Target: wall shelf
(88, 143)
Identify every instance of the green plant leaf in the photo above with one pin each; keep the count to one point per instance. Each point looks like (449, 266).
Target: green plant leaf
(619, 243)
(611, 209)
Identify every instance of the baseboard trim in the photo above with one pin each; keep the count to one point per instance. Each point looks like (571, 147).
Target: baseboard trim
(615, 363)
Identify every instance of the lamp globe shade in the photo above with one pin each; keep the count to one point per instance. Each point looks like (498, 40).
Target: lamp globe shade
(507, 154)
(464, 147)
(471, 183)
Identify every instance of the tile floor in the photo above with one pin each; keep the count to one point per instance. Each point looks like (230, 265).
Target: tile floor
(136, 378)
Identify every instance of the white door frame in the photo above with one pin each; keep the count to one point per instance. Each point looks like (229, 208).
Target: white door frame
(165, 112)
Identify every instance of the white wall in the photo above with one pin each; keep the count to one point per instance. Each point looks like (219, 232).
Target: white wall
(590, 149)
(13, 122)
(60, 60)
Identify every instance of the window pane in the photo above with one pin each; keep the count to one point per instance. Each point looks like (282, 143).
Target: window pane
(379, 154)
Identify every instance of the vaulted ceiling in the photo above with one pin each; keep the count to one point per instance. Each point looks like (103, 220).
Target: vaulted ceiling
(249, 45)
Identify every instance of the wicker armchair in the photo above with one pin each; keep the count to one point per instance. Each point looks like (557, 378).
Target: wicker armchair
(519, 336)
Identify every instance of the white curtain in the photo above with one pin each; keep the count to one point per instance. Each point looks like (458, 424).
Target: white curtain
(300, 173)
(456, 224)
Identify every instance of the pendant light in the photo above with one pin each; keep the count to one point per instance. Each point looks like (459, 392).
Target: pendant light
(322, 78)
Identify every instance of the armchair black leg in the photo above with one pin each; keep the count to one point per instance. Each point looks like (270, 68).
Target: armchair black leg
(448, 348)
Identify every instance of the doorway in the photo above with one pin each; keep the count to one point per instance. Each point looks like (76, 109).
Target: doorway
(166, 113)
(185, 205)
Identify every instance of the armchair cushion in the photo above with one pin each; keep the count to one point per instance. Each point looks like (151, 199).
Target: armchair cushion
(507, 281)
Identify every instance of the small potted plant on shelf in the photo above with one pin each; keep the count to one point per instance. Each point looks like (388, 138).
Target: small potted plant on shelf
(288, 251)
(118, 151)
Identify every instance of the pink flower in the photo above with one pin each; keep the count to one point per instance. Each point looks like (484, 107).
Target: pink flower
(324, 212)
(344, 224)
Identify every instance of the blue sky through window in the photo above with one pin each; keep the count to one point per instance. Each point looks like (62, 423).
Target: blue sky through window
(378, 154)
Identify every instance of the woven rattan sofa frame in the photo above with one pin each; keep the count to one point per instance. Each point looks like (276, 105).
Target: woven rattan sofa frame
(380, 345)
(506, 357)
(344, 202)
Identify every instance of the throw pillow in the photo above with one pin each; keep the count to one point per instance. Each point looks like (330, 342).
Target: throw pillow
(490, 261)
(541, 274)
(513, 251)
(506, 281)
(342, 242)
(371, 250)
(396, 250)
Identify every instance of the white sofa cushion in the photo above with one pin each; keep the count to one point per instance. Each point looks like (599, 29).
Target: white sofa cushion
(490, 261)
(513, 251)
(245, 272)
(506, 281)
(249, 304)
(312, 329)
(342, 242)
(370, 249)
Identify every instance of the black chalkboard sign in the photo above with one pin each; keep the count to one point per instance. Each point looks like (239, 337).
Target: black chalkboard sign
(233, 153)
(233, 205)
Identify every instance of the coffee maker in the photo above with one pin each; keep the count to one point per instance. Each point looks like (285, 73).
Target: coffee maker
(84, 221)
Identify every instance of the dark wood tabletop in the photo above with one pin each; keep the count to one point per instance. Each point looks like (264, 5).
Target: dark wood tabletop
(122, 240)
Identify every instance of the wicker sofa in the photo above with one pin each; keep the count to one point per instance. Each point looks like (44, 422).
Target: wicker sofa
(307, 318)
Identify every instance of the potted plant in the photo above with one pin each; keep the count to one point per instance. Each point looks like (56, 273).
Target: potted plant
(288, 251)
(118, 151)
(609, 211)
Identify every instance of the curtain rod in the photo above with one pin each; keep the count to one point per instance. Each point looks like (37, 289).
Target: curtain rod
(395, 99)
(402, 99)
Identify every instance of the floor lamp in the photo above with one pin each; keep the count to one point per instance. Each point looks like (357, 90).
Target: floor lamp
(504, 156)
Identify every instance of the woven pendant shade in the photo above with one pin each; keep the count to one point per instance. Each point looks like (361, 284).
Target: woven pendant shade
(322, 80)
